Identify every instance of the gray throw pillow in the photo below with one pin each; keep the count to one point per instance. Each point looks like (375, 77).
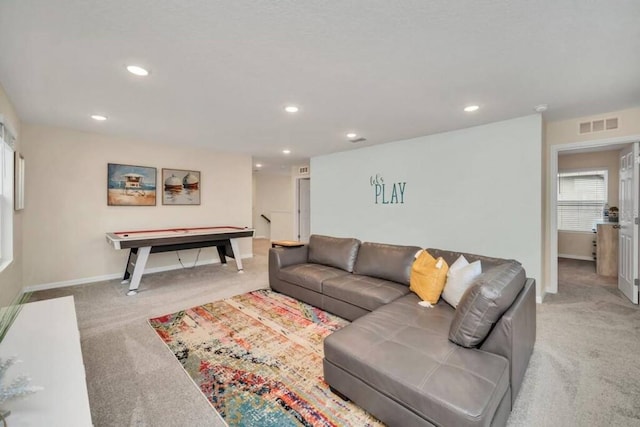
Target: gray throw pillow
(491, 294)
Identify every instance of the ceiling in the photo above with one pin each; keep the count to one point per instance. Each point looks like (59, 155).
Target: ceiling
(223, 71)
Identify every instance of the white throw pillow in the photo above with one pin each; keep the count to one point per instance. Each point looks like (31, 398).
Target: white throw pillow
(459, 279)
(458, 264)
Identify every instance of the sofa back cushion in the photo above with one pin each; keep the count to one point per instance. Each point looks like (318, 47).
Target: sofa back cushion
(484, 302)
(390, 262)
(451, 256)
(333, 251)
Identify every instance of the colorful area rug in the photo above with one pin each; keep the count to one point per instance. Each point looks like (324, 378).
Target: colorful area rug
(257, 358)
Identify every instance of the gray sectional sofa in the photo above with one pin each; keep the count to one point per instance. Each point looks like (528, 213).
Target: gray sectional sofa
(406, 364)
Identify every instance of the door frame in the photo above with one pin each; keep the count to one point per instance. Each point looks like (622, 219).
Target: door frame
(552, 198)
(298, 210)
(296, 203)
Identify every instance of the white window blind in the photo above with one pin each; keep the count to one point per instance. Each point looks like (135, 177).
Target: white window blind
(6, 196)
(581, 199)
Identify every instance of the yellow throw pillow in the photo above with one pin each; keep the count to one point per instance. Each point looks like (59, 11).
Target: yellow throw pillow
(428, 276)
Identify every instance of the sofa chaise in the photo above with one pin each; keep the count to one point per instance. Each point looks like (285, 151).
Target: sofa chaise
(406, 364)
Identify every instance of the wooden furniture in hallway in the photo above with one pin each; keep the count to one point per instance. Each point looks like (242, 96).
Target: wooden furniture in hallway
(607, 249)
(286, 243)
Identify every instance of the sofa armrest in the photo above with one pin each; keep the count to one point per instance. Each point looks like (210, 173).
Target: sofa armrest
(283, 257)
(514, 335)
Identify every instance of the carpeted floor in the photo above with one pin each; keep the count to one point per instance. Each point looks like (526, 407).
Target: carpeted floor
(131, 377)
(584, 370)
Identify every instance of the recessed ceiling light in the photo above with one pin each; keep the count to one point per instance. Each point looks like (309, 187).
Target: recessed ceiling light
(541, 108)
(351, 135)
(471, 108)
(99, 117)
(291, 109)
(258, 165)
(286, 151)
(137, 70)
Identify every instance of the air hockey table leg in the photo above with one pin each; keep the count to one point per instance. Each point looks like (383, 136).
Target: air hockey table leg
(138, 270)
(236, 254)
(222, 255)
(131, 262)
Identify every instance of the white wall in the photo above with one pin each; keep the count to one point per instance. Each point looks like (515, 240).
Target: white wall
(66, 214)
(11, 276)
(273, 198)
(474, 190)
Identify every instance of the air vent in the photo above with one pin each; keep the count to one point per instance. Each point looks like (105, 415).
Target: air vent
(358, 140)
(303, 170)
(599, 125)
(585, 127)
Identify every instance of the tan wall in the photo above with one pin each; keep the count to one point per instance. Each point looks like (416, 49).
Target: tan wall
(577, 244)
(608, 160)
(566, 132)
(67, 216)
(11, 277)
(273, 197)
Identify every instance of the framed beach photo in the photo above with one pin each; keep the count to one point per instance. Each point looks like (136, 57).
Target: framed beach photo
(129, 185)
(180, 187)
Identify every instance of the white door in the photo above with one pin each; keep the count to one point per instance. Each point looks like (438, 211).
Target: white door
(304, 209)
(629, 193)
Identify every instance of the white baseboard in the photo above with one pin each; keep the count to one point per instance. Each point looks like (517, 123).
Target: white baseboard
(73, 282)
(539, 300)
(103, 278)
(580, 257)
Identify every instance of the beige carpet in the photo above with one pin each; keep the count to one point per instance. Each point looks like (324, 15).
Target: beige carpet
(584, 370)
(132, 378)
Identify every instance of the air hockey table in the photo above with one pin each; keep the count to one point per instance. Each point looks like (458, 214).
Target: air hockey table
(141, 243)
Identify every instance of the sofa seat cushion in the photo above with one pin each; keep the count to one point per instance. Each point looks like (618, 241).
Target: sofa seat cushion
(402, 350)
(363, 291)
(309, 275)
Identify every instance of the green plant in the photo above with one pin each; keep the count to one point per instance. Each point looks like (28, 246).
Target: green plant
(9, 314)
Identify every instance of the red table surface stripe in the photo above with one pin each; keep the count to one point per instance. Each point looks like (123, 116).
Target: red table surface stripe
(179, 229)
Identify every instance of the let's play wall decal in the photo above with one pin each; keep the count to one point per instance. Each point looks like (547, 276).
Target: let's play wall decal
(387, 193)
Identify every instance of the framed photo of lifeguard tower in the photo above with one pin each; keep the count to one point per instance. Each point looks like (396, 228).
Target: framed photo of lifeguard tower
(129, 185)
(180, 187)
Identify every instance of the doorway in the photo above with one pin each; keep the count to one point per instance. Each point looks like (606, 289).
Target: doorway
(611, 145)
(304, 209)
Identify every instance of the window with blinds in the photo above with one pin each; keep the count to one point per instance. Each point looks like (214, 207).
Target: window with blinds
(6, 197)
(581, 199)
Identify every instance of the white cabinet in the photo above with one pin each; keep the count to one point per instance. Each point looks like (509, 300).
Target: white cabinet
(46, 339)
